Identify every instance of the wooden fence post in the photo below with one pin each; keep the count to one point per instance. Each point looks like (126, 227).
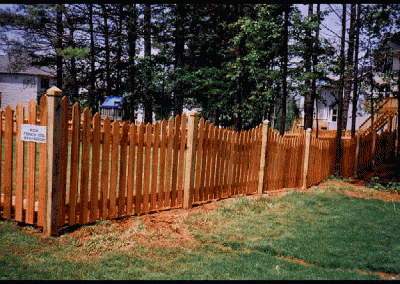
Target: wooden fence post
(306, 158)
(54, 135)
(263, 153)
(190, 160)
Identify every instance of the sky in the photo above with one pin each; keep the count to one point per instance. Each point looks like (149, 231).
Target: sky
(331, 27)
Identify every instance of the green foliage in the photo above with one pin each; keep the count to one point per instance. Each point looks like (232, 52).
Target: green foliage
(223, 58)
(376, 184)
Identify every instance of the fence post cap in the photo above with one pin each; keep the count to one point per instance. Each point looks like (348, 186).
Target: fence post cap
(54, 92)
(192, 113)
(308, 130)
(265, 122)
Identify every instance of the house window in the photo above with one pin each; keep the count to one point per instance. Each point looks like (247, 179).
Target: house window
(45, 83)
(334, 115)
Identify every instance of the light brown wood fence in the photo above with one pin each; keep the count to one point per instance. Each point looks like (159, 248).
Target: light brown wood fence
(106, 170)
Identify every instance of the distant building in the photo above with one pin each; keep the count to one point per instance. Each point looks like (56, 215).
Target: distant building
(113, 108)
(21, 82)
(394, 43)
(326, 110)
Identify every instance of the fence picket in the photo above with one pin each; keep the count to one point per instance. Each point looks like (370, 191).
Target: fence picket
(242, 162)
(211, 185)
(94, 187)
(181, 167)
(123, 167)
(300, 157)
(275, 161)
(281, 162)
(42, 186)
(154, 172)
(293, 163)
(255, 156)
(84, 184)
(231, 166)
(249, 175)
(131, 168)
(31, 167)
(20, 160)
(199, 154)
(226, 163)
(219, 148)
(163, 148)
(206, 160)
(238, 165)
(168, 166)
(112, 210)
(147, 171)
(105, 167)
(268, 160)
(319, 162)
(139, 171)
(8, 162)
(64, 156)
(272, 152)
(175, 160)
(245, 163)
(75, 145)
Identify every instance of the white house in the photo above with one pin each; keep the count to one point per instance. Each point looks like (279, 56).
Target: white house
(21, 82)
(327, 110)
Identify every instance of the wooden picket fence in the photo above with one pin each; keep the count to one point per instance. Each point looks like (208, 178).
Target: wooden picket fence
(97, 169)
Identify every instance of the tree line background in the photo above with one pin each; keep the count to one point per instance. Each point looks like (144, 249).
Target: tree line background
(239, 63)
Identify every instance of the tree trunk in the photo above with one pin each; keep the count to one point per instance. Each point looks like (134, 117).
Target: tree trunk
(178, 53)
(355, 88)
(92, 91)
(350, 75)
(148, 106)
(119, 51)
(338, 158)
(132, 37)
(71, 43)
(308, 96)
(59, 47)
(315, 63)
(107, 49)
(284, 67)
(241, 77)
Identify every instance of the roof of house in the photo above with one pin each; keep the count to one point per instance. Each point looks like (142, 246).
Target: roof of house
(21, 65)
(112, 102)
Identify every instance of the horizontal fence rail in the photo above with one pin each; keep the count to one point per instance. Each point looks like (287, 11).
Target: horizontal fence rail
(97, 169)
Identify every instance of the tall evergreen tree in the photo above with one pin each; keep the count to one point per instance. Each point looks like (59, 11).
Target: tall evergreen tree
(349, 76)
(308, 51)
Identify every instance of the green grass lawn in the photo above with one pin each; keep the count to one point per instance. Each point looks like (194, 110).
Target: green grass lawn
(245, 238)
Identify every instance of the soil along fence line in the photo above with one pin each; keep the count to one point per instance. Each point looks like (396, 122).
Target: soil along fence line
(61, 170)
